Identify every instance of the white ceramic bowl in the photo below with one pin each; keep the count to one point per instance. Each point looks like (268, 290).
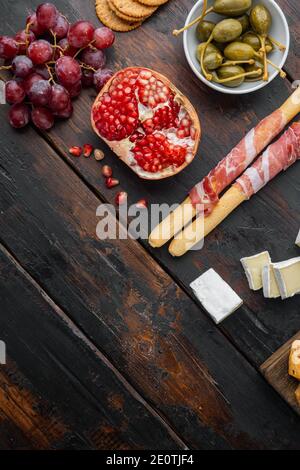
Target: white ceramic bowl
(279, 31)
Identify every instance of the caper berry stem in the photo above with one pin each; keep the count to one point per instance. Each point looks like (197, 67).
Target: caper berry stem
(238, 62)
(280, 46)
(236, 77)
(281, 72)
(207, 75)
(205, 12)
(264, 52)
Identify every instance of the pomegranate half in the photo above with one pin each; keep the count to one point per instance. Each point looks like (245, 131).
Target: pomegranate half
(147, 122)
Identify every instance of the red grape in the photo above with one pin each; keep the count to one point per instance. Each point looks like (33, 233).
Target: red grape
(8, 47)
(40, 93)
(87, 78)
(75, 89)
(47, 15)
(68, 71)
(19, 115)
(14, 92)
(40, 51)
(61, 28)
(60, 98)
(101, 77)
(81, 34)
(103, 37)
(42, 118)
(68, 50)
(22, 66)
(43, 71)
(65, 113)
(30, 80)
(22, 38)
(94, 58)
(35, 27)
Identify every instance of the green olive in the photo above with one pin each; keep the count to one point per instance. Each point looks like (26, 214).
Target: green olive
(212, 58)
(261, 20)
(253, 40)
(245, 22)
(231, 71)
(219, 45)
(227, 30)
(232, 7)
(204, 30)
(239, 51)
(251, 68)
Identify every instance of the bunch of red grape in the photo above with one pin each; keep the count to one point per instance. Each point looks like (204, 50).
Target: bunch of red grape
(52, 61)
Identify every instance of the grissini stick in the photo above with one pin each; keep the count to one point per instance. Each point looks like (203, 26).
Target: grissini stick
(205, 194)
(278, 157)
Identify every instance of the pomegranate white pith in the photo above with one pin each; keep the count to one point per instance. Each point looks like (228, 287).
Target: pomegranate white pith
(147, 122)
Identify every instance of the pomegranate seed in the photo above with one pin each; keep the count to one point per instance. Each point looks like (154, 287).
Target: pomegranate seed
(98, 154)
(107, 171)
(121, 198)
(111, 182)
(87, 150)
(142, 204)
(75, 151)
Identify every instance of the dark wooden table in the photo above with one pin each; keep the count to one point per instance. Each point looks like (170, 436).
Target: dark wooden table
(107, 347)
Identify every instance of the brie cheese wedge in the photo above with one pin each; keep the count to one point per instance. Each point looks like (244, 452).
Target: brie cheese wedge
(253, 266)
(298, 239)
(270, 286)
(287, 275)
(215, 295)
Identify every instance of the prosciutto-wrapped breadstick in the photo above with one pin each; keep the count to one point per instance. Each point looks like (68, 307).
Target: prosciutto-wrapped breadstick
(206, 193)
(278, 157)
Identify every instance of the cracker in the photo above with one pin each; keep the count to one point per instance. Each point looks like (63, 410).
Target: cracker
(133, 9)
(111, 20)
(152, 3)
(121, 15)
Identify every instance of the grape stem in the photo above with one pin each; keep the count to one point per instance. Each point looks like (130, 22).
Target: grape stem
(5, 67)
(82, 49)
(87, 67)
(27, 34)
(51, 79)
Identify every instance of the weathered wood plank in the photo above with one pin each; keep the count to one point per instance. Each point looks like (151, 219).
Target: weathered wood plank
(275, 369)
(292, 12)
(123, 301)
(259, 328)
(57, 390)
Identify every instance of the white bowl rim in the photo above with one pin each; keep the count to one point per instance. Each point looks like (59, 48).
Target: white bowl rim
(235, 91)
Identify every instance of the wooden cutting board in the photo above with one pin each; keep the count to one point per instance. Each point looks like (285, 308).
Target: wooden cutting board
(275, 370)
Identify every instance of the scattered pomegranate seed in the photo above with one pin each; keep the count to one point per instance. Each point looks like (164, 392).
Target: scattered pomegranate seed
(75, 151)
(107, 171)
(121, 198)
(111, 182)
(98, 154)
(142, 204)
(87, 150)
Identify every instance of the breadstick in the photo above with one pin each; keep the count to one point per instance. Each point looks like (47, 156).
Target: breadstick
(278, 157)
(227, 170)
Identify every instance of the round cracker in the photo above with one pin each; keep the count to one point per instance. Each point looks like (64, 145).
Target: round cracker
(133, 9)
(121, 15)
(111, 20)
(152, 3)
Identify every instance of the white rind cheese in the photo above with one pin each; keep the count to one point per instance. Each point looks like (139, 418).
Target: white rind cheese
(288, 277)
(298, 239)
(215, 295)
(270, 286)
(253, 266)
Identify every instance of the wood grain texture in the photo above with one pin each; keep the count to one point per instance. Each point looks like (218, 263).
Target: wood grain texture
(275, 370)
(130, 309)
(292, 13)
(259, 328)
(57, 391)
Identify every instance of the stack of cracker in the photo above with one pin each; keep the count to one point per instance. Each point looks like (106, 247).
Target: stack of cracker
(125, 15)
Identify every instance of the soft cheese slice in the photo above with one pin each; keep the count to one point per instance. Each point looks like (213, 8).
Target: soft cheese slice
(298, 239)
(270, 286)
(253, 266)
(294, 360)
(288, 277)
(216, 296)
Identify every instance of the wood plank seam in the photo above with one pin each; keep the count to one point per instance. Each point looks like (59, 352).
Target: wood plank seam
(79, 332)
